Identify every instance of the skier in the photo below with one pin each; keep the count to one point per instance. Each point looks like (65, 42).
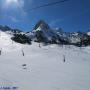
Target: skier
(64, 59)
(23, 53)
(39, 45)
(0, 51)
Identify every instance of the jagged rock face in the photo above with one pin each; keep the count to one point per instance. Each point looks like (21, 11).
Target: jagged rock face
(42, 24)
(21, 38)
(43, 33)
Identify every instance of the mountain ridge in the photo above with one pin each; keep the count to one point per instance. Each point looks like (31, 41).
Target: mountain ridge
(43, 33)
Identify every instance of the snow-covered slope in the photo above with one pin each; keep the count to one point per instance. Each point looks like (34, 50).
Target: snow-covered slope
(6, 43)
(40, 67)
(50, 67)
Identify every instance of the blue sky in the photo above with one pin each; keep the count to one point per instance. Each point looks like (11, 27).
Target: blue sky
(73, 15)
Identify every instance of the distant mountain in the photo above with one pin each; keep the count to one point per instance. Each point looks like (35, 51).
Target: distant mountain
(16, 35)
(42, 24)
(9, 30)
(43, 33)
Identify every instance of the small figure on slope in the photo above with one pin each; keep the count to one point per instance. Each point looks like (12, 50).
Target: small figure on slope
(64, 60)
(23, 53)
(39, 45)
(0, 51)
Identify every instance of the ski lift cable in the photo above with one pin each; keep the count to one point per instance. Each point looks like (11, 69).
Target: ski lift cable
(48, 4)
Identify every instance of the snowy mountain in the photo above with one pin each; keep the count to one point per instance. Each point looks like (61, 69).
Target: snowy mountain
(43, 33)
(42, 24)
(9, 30)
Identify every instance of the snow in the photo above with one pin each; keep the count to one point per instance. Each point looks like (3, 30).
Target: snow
(6, 43)
(88, 33)
(45, 69)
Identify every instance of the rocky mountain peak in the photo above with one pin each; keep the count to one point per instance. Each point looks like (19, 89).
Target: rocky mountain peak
(41, 24)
